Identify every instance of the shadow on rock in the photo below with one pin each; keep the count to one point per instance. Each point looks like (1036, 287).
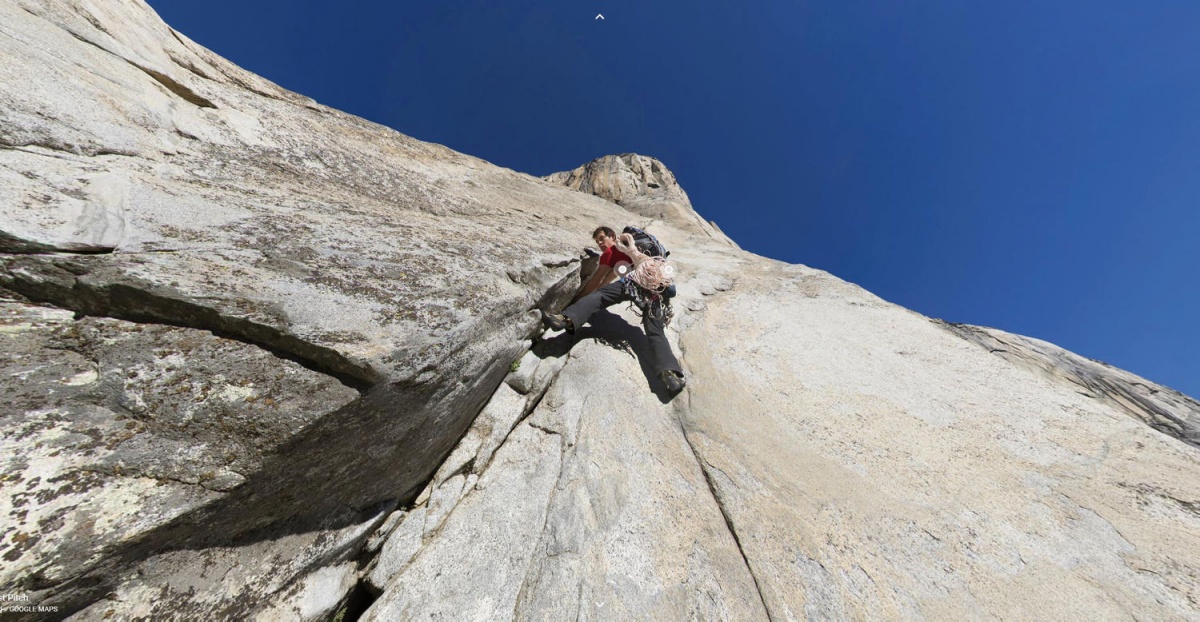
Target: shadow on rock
(350, 465)
(615, 332)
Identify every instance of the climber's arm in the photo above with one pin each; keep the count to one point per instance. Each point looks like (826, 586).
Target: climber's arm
(601, 277)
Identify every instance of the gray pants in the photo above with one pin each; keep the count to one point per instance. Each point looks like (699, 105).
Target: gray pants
(661, 357)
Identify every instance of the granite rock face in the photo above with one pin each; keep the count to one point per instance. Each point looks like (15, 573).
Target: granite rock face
(593, 507)
(1163, 409)
(879, 465)
(147, 181)
(850, 459)
(642, 185)
(270, 361)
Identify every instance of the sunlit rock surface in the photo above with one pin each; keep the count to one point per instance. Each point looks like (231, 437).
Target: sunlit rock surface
(1163, 409)
(266, 360)
(643, 186)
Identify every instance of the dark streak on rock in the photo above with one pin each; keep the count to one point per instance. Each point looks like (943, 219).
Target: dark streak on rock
(13, 245)
(543, 429)
(169, 83)
(236, 80)
(1095, 383)
(177, 88)
(50, 145)
(60, 284)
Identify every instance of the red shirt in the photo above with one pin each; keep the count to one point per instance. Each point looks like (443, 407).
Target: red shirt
(612, 257)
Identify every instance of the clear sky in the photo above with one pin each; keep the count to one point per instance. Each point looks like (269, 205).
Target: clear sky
(1028, 165)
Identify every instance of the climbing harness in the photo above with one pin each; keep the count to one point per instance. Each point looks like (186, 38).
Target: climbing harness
(642, 301)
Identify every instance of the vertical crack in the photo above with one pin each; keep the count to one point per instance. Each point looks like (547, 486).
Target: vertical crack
(533, 565)
(712, 489)
(470, 466)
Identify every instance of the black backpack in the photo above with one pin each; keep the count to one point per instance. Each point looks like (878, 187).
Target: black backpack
(647, 243)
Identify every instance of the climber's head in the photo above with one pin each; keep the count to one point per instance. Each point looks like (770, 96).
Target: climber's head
(604, 237)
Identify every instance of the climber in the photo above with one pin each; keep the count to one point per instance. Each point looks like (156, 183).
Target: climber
(645, 281)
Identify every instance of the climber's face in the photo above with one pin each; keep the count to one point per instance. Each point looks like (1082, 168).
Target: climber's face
(604, 240)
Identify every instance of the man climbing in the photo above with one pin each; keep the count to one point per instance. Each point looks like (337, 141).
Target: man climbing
(601, 291)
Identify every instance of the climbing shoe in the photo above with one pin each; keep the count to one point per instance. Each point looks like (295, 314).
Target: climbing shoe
(673, 380)
(558, 322)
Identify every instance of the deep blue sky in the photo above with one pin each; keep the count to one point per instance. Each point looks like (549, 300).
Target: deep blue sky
(1028, 165)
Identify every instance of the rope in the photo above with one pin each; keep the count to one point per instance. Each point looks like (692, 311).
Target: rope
(651, 273)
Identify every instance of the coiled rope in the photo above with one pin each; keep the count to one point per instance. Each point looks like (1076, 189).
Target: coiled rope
(650, 273)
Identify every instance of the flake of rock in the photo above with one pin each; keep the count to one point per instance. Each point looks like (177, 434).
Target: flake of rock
(381, 535)
(293, 576)
(167, 419)
(398, 550)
